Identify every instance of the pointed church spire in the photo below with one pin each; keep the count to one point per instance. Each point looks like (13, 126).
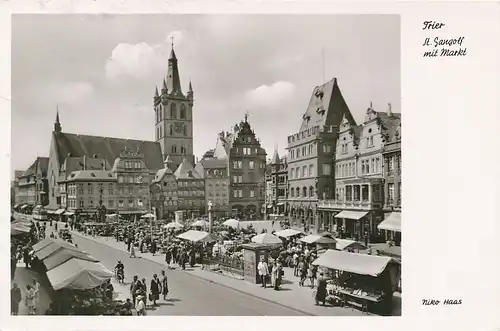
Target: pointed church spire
(190, 94)
(156, 92)
(190, 87)
(173, 80)
(57, 124)
(164, 89)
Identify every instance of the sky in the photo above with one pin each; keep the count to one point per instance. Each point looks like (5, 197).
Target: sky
(101, 71)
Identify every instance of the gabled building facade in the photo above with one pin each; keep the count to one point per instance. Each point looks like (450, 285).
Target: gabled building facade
(174, 116)
(163, 192)
(215, 174)
(277, 185)
(32, 185)
(190, 190)
(246, 164)
(356, 208)
(311, 153)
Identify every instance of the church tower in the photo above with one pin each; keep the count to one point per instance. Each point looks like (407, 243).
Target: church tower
(174, 117)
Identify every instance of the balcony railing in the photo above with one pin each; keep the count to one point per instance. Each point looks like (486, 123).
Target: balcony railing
(341, 204)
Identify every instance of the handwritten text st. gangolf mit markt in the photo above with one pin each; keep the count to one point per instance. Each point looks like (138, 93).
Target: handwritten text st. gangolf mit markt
(442, 46)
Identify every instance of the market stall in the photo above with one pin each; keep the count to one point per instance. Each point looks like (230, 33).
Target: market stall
(360, 280)
(63, 256)
(78, 274)
(54, 247)
(349, 245)
(196, 236)
(173, 225)
(288, 233)
(200, 224)
(267, 239)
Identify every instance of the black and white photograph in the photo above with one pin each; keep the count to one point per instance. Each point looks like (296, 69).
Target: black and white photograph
(206, 165)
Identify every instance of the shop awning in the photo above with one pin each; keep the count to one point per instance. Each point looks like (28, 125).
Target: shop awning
(280, 204)
(288, 233)
(52, 208)
(69, 213)
(361, 264)
(318, 239)
(64, 255)
(196, 236)
(79, 275)
(353, 215)
(269, 206)
(38, 207)
(391, 223)
(16, 205)
(24, 206)
(59, 211)
(343, 244)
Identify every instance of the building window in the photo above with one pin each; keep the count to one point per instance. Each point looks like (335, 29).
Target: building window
(291, 192)
(390, 193)
(369, 141)
(311, 170)
(304, 171)
(131, 203)
(183, 112)
(311, 191)
(173, 110)
(81, 204)
(120, 203)
(304, 192)
(298, 152)
(130, 179)
(139, 203)
(120, 179)
(327, 169)
(111, 203)
(247, 151)
(310, 149)
(251, 165)
(89, 189)
(111, 189)
(390, 165)
(91, 203)
(252, 193)
(344, 148)
(377, 164)
(292, 154)
(327, 148)
(373, 165)
(174, 149)
(297, 191)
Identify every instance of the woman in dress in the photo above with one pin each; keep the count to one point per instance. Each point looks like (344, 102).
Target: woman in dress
(321, 292)
(132, 250)
(155, 289)
(30, 300)
(164, 285)
(36, 289)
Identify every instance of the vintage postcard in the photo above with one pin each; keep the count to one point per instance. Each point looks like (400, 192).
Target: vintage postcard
(236, 164)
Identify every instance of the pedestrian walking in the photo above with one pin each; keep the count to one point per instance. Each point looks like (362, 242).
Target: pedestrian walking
(132, 251)
(273, 271)
(30, 300)
(26, 256)
(321, 292)
(168, 257)
(129, 242)
(164, 285)
(263, 271)
(15, 299)
(134, 287)
(13, 266)
(155, 289)
(279, 276)
(303, 272)
(36, 287)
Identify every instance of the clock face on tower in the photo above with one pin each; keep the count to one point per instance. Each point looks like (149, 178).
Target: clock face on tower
(178, 127)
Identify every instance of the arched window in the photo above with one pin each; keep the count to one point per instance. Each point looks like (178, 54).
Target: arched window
(297, 190)
(291, 193)
(174, 149)
(170, 129)
(304, 192)
(182, 149)
(311, 191)
(183, 112)
(173, 110)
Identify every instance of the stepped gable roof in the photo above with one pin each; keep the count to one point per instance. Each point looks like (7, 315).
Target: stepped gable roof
(161, 173)
(214, 163)
(106, 147)
(92, 175)
(324, 98)
(186, 171)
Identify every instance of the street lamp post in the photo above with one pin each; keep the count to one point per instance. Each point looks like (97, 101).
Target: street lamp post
(210, 221)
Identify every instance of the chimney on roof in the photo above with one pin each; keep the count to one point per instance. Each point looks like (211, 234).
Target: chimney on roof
(84, 162)
(389, 110)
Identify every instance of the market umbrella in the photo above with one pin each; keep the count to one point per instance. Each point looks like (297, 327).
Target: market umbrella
(196, 236)
(266, 238)
(232, 223)
(148, 215)
(173, 225)
(200, 223)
